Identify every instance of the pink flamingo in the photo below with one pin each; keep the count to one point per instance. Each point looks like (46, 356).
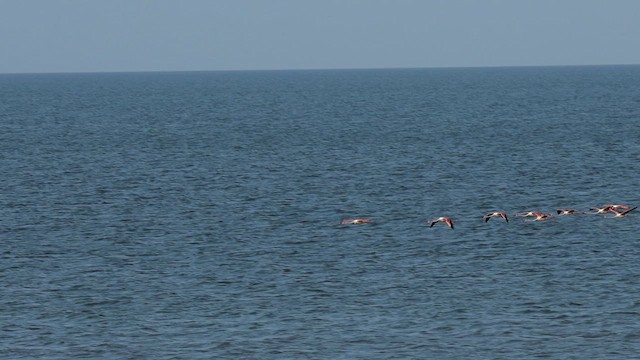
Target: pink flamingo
(600, 210)
(445, 220)
(526, 213)
(618, 207)
(568, 211)
(350, 221)
(618, 214)
(541, 216)
(496, 213)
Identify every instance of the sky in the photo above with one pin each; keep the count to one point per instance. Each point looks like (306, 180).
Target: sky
(42, 36)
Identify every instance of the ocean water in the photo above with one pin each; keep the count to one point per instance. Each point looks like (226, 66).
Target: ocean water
(196, 215)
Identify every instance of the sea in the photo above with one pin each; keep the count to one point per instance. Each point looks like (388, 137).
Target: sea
(196, 215)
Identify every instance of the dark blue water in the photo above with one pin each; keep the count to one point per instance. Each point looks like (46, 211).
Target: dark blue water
(195, 215)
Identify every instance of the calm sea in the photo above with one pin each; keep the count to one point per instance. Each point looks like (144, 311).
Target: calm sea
(196, 215)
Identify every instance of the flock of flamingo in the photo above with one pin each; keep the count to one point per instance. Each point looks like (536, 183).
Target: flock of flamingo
(617, 211)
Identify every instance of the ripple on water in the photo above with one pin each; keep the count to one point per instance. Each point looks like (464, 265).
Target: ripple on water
(196, 215)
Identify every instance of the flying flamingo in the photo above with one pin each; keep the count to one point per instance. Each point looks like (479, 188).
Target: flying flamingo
(618, 207)
(618, 214)
(445, 220)
(496, 213)
(568, 211)
(526, 213)
(349, 221)
(541, 216)
(601, 210)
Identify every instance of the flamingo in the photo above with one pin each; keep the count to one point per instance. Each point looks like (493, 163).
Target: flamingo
(496, 213)
(541, 216)
(618, 207)
(601, 210)
(349, 221)
(445, 220)
(618, 214)
(568, 211)
(526, 213)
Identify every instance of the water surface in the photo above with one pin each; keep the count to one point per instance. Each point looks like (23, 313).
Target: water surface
(195, 215)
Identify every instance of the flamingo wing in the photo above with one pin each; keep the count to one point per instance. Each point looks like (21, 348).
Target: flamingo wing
(628, 211)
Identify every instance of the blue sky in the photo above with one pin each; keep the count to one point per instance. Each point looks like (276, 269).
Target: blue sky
(170, 35)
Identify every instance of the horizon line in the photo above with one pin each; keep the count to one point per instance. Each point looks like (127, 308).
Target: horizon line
(314, 69)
